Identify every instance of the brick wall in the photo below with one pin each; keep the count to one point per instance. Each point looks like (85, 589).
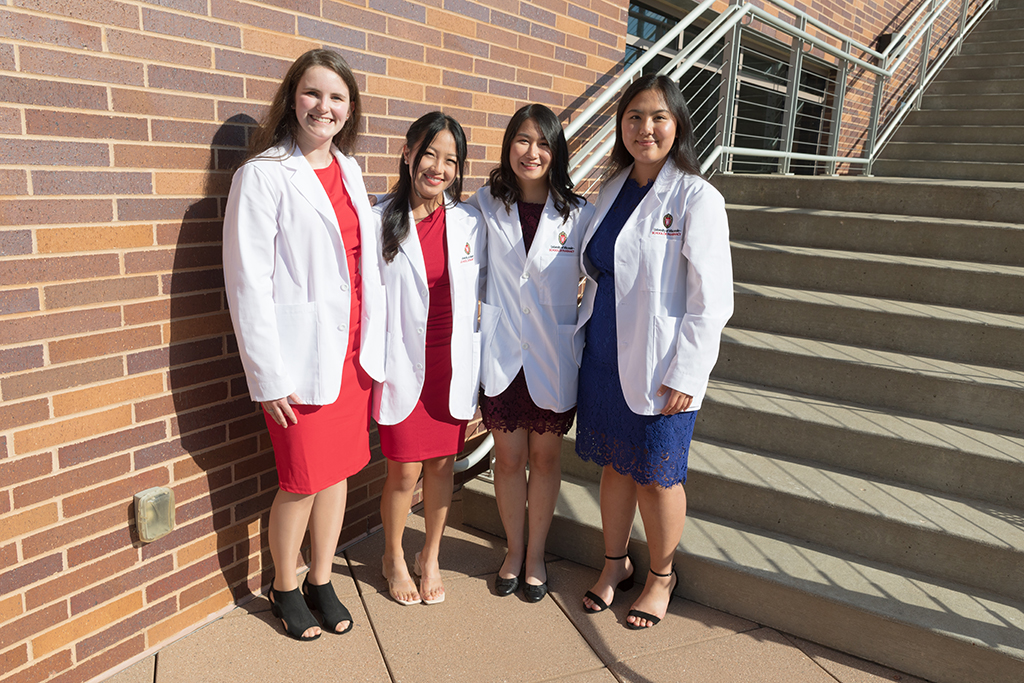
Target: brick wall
(119, 123)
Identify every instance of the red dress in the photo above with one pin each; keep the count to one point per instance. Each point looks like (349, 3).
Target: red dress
(331, 443)
(430, 431)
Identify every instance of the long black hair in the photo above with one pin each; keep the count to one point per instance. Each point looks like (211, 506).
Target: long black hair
(280, 123)
(395, 220)
(503, 181)
(682, 152)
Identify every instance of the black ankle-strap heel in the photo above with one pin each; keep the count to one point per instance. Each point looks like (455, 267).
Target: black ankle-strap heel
(624, 585)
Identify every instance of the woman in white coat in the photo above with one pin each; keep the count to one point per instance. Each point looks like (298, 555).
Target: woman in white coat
(434, 265)
(658, 294)
(535, 225)
(302, 276)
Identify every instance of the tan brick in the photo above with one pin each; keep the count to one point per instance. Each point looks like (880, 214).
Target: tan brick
(105, 344)
(100, 291)
(265, 42)
(152, 48)
(108, 394)
(451, 22)
(411, 71)
(494, 105)
(64, 377)
(10, 607)
(571, 26)
(68, 582)
(75, 429)
(182, 330)
(58, 485)
(90, 622)
(192, 184)
(120, 490)
(98, 238)
(160, 156)
(527, 77)
(21, 523)
(390, 87)
(151, 103)
(182, 621)
(53, 325)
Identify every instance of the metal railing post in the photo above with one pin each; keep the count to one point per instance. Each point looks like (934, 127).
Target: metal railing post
(796, 61)
(926, 48)
(964, 6)
(838, 100)
(729, 88)
(876, 113)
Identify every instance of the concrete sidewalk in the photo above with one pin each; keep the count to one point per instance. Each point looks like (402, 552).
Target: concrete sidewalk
(479, 637)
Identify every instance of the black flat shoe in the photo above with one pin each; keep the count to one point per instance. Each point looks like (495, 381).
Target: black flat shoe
(292, 610)
(324, 600)
(506, 586)
(534, 593)
(648, 616)
(624, 585)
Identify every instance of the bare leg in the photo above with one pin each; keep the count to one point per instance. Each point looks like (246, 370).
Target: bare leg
(663, 511)
(437, 499)
(511, 451)
(545, 480)
(618, 507)
(395, 501)
(325, 522)
(289, 516)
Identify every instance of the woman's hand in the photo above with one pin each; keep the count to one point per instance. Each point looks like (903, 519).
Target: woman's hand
(280, 410)
(677, 400)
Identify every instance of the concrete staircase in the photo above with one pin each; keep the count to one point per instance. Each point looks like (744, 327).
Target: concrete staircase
(971, 121)
(857, 474)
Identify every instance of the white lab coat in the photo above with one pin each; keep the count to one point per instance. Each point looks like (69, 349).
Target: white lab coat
(408, 302)
(529, 316)
(673, 286)
(287, 280)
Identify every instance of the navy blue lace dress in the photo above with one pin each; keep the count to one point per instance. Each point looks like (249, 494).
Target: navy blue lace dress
(652, 449)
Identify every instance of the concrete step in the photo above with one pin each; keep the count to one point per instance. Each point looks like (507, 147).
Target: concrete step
(998, 73)
(956, 117)
(964, 135)
(968, 394)
(1000, 30)
(975, 46)
(955, 334)
(956, 152)
(970, 200)
(972, 102)
(948, 458)
(952, 539)
(982, 86)
(950, 170)
(979, 286)
(943, 238)
(941, 631)
(982, 61)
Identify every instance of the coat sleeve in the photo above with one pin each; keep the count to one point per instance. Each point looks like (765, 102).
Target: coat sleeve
(709, 291)
(250, 231)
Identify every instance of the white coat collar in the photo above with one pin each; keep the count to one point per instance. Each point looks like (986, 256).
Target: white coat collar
(412, 248)
(306, 182)
(510, 229)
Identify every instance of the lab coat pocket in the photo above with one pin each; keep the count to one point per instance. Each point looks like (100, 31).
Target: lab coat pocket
(665, 334)
(570, 350)
(299, 333)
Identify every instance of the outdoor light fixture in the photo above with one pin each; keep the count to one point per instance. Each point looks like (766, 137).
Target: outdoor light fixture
(154, 513)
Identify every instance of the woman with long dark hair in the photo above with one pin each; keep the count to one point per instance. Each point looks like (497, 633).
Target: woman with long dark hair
(535, 225)
(435, 259)
(658, 294)
(302, 275)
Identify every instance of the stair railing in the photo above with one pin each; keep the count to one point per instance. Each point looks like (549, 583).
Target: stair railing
(900, 73)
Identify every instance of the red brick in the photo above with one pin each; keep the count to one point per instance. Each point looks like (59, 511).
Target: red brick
(190, 574)
(14, 658)
(188, 445)
(49, 93)
(192, 281)
(152, 48)
(59, 485)
(119, 442)
(32, 572)
(257, 89)
(244, 13)
(248, 113)
(192, 133)
(104, 344)
(90, 182)
(94, 11)
(251, 425)
(151, 103)
(93, 668)
(100, 546)
(299, 6)
(8, 555)
(182, 400)
(137, 623)
(55, 211)
(38, 122)
(165, 23)
(48, 153)
(173, 356)
(56, 379)
(333, 33)
(43, 670)
(15, 471)
(447, 59)
(21, 414)
(36, 29)
(7, 62)
(70, 582)
(262, 462)
(17, 301)
(186, 80)
(255, 507)
(100, 291)
(13, 182)
(81, 67)
(69, 532)
(10, 121)
(347, 15)
(172, 259)
(232, 577)
(172, 308)
(15, 242)
(57, 324)
(166, 209)
(123, 489)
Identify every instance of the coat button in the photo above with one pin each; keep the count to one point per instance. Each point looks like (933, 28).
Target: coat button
(344, 286)
(419, 366)
(525, 345)
(526, 310)
(526, 276)
(419, 330)
(341, 328)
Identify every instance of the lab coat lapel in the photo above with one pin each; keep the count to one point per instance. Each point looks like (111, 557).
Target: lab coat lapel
(413, 251)
(507, 225)
(547, 230)
(305, 182)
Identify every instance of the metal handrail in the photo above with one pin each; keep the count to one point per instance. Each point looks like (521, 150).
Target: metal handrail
(884, 65)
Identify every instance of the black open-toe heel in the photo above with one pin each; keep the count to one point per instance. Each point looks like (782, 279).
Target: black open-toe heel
(624, 585)
(324, 600)
(650, 617)
(291, 608)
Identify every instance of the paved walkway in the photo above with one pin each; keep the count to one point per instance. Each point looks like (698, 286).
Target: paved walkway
(478, 637)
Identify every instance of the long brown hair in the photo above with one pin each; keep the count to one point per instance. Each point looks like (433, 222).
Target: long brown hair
(280, 123)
